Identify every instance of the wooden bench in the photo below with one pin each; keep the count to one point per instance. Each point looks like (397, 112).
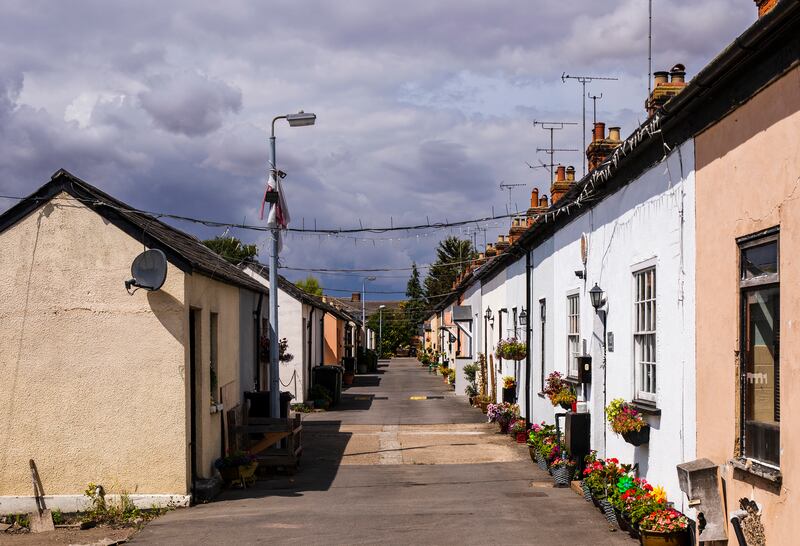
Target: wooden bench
(273, 442)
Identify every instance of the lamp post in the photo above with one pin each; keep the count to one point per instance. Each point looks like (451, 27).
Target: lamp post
(301, 119)
(380, 330)
(363, 309)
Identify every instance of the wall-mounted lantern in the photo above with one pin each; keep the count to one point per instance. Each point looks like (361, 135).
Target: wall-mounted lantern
(596, 294)
(523, 318)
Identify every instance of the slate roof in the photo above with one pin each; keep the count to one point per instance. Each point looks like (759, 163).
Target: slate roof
(185, 251)
(300, 295)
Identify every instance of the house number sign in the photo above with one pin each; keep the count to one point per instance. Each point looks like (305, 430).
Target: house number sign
(610, 342)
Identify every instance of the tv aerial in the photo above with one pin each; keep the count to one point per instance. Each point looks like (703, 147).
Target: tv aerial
(148, 271)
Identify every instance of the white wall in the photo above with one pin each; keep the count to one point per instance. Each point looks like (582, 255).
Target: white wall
(651, 219)
(472, 298)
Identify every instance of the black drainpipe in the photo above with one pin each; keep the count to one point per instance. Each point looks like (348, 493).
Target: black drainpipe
(310, 339)
(257, 329)
(528, 337)
(322, 338)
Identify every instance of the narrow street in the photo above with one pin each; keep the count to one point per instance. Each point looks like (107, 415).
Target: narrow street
(402, 460)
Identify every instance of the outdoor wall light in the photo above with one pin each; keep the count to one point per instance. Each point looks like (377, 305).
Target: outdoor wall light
(301, 119)
(596, 293)
(523, 318)
(488, 314)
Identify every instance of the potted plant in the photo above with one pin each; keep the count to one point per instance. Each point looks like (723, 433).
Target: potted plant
(237, 467)
(562, 469)
(559, 391)
(502, 414)
(626, 421)
(321, 396)
(666, 527)
(536, 437)
(610, 474)
(550, 449)
(519, 429)
(509, 389)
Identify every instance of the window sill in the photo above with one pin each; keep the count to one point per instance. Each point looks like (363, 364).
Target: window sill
(645, 407)
(573, 379)
(754, 468)
(540, 394)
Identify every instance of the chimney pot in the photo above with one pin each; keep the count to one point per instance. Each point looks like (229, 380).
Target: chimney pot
(560, 173)
(599, 131)
(678, 74)
(543, 202)
(613, 134)
(570, 174)
(534, 197)
(660, 77)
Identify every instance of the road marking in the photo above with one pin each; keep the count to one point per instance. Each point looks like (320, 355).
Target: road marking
(417, 397)
(389, 445)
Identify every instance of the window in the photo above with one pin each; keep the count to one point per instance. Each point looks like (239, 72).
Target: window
(573, 334)
(644, 334)
(759, 363)
(542, 326)
(464, 346)
(213, 377)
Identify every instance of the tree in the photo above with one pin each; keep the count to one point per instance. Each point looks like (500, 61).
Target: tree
(415, 306)
(452, 257)
(397, 330)
(232, 249)
(310, 285)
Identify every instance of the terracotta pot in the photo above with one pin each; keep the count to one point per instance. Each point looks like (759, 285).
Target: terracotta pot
(348, 378)
(522, 437)
(652, 538)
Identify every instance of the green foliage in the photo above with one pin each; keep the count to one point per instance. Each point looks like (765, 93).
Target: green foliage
(310, 285)
(232, 249)
(415, 307)
(397, 330)
(123, 511)
(452, 257)
(58, 517)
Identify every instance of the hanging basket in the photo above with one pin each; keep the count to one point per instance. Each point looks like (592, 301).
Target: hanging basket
(638, 438)
(561, 475)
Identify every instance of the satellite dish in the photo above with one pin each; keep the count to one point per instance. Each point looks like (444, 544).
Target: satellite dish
(149, 270)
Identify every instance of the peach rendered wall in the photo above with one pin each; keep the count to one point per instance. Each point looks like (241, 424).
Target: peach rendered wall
(748, 179)
(92, 381)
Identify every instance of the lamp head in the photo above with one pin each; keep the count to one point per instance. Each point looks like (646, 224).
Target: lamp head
(523, 317)
(596, 294)
(301, 119)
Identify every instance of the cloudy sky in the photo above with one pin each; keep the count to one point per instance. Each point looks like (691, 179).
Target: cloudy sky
(424, 107)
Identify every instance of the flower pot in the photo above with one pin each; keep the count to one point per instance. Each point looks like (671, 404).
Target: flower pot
(638, 438)
(521, 437)
(566, 405)
(654, 538)
(608, 512)
(621, 521)
(504, 426)
(484, 406)
(561, 475)
(587, 493)
(541, 461)
(532, 453)
(510, 395)
(348, 378)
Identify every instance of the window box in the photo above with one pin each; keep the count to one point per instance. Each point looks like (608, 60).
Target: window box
(638, 438)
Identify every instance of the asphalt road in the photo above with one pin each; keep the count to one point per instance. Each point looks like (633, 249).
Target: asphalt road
(401, 461)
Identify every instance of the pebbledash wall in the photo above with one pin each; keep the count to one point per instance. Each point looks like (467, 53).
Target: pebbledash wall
(93, 379)
(647, 223)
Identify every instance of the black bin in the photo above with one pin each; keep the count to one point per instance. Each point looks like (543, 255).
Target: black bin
(577, 435)
(259, 403)
(329, 377)
(349, 364)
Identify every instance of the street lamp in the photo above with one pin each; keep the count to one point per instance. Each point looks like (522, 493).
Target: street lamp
(523, 318)
(363, 309)
(380, 330)
(295, 120)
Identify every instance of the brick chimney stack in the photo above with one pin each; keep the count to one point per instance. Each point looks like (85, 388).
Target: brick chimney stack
(601, 146)
(502, 244)
(765, 6)
(538, 206)
(562, 183)
(356, 296)
(664, 89)
(490, 251)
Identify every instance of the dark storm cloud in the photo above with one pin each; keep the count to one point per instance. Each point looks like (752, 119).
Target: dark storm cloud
(424, 107)
(189, 103)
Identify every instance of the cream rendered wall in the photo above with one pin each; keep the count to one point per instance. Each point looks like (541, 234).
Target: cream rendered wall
(92, 379)
(210, 296)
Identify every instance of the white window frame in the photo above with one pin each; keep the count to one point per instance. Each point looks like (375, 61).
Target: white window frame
(645, 332)
(573, 333)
